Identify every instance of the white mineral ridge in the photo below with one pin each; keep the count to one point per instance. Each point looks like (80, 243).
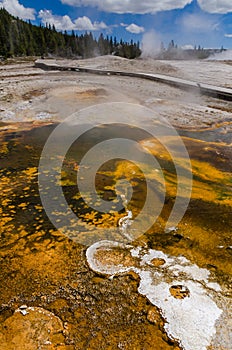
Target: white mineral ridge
(105, 269)
(190, 320)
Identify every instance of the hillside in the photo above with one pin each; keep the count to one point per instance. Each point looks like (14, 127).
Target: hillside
(20, 38)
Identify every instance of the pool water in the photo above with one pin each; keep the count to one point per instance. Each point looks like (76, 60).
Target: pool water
(38, 261)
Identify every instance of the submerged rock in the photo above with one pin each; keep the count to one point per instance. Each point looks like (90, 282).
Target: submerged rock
(37, 329)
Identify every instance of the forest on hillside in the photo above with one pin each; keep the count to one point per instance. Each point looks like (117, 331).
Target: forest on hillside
(20, 38)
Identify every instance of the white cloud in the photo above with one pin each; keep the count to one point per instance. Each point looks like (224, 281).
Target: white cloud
(65, 22)
(133, 28)
(18, 10)
(228, 35)
(130, 6)
(60, 22)
(151, 6)
(216, 6)
(84, 23)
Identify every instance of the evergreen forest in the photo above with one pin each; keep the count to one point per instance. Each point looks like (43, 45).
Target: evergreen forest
(19, 38)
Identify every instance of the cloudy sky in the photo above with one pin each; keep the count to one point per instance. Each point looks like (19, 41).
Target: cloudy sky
(187, 22)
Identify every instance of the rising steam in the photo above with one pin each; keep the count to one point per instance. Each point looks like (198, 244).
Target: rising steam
(151, 44)
(222, 56)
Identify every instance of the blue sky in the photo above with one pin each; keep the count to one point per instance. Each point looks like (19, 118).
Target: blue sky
(188, 22)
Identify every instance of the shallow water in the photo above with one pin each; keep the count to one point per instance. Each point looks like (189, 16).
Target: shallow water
(44, 268)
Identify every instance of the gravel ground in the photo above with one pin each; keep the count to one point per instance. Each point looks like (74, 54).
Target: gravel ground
(31, 94)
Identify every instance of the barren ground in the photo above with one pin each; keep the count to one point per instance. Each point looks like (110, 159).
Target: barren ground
(29, 94)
